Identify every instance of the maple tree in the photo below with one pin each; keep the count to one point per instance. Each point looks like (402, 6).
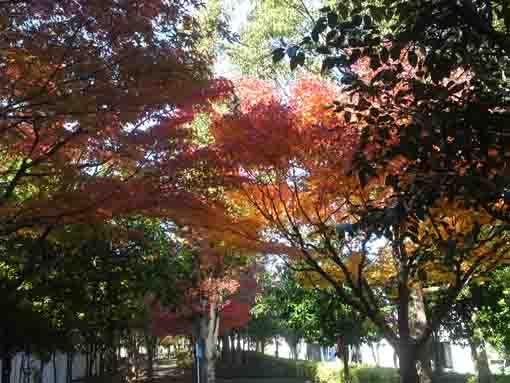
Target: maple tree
(94, 96)
(216, 296)
(95, 101)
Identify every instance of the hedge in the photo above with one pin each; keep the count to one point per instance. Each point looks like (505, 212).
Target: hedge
(259, 366)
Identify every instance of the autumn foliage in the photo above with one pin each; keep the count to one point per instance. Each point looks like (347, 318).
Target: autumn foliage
(95, 99)
(297, 160)
(234, 299)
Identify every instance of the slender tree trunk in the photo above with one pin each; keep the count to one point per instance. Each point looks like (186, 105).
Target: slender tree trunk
(21, 365)
(276, 344)
(438, 365)
(375, 352)
(407, 362)
(225, 349)
(292, 342)
(238, 353)
(480, 359)
(418, 324)
(345, 360)
(149, 346)
(209, 332)
(41, 370)
(69, 367)
(407, 350)
(54, 362)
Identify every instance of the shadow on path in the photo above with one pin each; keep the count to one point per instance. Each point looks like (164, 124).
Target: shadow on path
(166, 371)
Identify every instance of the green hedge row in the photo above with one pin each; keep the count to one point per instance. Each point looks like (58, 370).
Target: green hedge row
(332, 372)
(263, 366)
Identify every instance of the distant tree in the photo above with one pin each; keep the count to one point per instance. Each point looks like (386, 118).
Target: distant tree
(215, 297)
(480, 319)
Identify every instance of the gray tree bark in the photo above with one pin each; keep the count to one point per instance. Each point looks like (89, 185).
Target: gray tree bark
(480, 359)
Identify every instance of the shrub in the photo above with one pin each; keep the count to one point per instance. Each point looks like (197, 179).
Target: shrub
(184, 359)
(264, 366)
(375, 375)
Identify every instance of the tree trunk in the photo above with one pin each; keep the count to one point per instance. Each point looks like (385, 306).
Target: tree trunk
(418, 324)
(407, 362)
(225, 349)
(375, 352)
(293, 351)
(41, 369)
(292, 341)
(480, 359)
(345, 360)
(54, 362)
(69, 367)
(276, 344)
(150, 348)
(438, 365)
(6, 367)
(209, 331)
(21, 365)
(238, 353)
(406, 350)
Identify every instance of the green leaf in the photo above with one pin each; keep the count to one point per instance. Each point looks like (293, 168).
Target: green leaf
(412, 57)
(357, 20)
(385, 54)
(331, 35)
(319, 27)
(332, 19)
(395, 51)
(297, 60)
(367, 22)
(323, 49)
(377, 13)
(278, 55)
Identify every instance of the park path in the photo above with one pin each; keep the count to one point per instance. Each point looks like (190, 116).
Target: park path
(166, 371)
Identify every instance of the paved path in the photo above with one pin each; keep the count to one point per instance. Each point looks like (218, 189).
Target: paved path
(166, 371)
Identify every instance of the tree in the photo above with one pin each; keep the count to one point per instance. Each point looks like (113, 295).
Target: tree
(215, 297)
(82, 289)
(96, 99)
(276, 307)
(94, 96)
(449, 124)
(479, 319)
(294, 162)
(315, 314)
(265, 324)
(267, 23)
